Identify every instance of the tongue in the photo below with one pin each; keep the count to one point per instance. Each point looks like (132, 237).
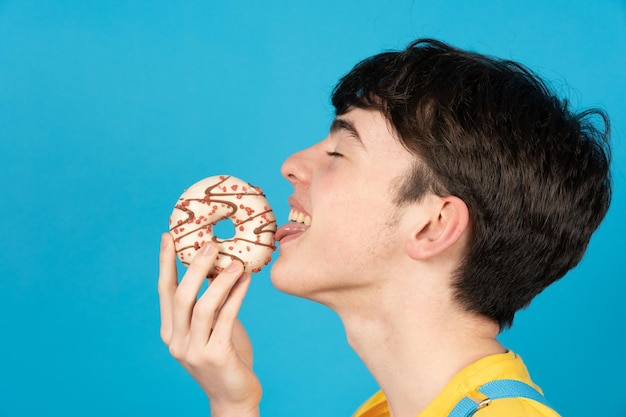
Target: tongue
(289, 229)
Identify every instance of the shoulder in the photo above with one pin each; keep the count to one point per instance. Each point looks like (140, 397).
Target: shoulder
(516, 407)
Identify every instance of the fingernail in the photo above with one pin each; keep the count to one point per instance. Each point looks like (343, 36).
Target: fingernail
(163, 241)
(234, 266)
(207, 249)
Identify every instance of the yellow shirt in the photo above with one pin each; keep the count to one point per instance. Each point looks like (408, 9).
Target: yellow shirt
(465, 383)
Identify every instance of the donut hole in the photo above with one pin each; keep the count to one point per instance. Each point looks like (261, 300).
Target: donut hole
(224, 230)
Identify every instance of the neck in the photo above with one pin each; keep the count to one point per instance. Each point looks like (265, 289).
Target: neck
(413, 350)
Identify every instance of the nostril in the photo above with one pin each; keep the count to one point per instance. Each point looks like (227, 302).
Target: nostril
(291, 168)
(297, 167)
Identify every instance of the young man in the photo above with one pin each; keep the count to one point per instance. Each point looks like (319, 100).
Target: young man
(451, 190)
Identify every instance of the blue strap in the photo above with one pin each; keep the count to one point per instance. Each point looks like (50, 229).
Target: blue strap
(494, 390)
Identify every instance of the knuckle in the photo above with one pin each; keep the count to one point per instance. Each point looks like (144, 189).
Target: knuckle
(205, 309)
(206, 357)
(166, 335)
(165, 287)
(200, 266)
(196, 359)
(178, 351)
(184, 298)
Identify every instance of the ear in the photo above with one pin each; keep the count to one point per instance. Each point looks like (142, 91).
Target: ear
(447, 221)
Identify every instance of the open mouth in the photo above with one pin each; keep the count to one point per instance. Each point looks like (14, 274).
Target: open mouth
(298, 223)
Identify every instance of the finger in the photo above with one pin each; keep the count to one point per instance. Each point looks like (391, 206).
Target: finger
(227, 319)
(168, 281)
(209, 306)
(241, 342)
(187, 291)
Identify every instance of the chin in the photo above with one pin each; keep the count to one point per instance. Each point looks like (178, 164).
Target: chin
(281, 278)
(289, 280)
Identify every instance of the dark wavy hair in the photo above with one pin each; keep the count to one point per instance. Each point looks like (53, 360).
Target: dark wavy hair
(534, 174)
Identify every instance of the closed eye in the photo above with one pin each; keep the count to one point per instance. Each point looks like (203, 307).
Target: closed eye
(334, 154)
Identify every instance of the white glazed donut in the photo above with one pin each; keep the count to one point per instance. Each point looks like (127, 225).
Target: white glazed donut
(218, 198)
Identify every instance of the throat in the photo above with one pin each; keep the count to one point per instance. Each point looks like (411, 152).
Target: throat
(413, 361)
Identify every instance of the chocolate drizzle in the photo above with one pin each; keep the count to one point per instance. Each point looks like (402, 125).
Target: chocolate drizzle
(224, 199)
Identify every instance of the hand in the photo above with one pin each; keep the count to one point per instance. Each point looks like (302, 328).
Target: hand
(204, 334)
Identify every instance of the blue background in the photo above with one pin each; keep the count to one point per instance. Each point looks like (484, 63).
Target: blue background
(109, 109)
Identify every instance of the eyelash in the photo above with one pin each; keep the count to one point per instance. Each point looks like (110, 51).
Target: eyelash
(334, 154)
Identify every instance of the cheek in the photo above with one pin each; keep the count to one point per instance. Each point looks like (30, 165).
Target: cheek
(350, 207)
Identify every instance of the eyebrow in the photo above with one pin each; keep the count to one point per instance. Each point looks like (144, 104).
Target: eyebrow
(343, 124)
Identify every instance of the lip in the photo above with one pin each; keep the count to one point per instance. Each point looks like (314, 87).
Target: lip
(294, 203)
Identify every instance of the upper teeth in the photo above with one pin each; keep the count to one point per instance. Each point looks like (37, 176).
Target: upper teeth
(298, 216)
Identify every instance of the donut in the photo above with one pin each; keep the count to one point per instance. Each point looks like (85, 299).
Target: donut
(218, 198)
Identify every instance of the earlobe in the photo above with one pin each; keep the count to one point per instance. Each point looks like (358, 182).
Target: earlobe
(447, 223)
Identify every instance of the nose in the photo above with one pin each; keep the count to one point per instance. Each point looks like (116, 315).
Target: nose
(299, 167)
